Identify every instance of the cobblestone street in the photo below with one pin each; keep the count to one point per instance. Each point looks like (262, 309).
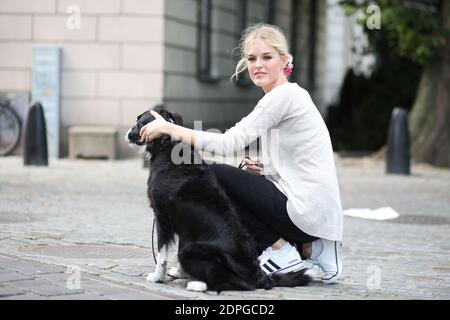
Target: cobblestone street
(82, 230)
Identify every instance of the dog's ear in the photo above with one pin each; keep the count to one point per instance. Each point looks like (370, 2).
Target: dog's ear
(168, 116)
(162, 111)
(159, 109)
(177, 119)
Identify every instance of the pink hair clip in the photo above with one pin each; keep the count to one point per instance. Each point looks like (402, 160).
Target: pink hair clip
(288, 69)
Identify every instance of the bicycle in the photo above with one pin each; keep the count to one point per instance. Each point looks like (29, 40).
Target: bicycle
(10, 128)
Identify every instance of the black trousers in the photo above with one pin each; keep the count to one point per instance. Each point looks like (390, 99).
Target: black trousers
(261, 206)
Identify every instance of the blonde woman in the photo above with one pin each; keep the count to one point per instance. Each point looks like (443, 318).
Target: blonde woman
(290, 196)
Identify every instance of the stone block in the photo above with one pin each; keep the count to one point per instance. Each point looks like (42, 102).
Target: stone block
(43, 288)
(15, 80)
(26, 6)
(30, 267)
(91, 6)
(88, 111)
(90, 56)
(78, 84)
(143, 57)
(6, 291)
(131, 29)
(14, 276)
(154, 7)
(54, 28)
(14, 27)
(92, 142)
(15, 55)
(130, 84)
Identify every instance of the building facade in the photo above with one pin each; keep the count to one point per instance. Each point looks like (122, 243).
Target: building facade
(126, 55)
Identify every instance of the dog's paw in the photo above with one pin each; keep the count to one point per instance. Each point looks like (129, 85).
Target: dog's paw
(177, 273)
(174, 273)
(155, 277)
(198, 286)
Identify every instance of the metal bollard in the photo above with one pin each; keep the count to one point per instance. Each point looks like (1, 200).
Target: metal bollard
(398, 152)
(35, 152)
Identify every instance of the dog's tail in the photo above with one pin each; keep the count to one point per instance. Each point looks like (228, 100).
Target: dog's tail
(291, 279)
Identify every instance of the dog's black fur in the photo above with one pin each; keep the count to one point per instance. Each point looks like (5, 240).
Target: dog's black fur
(214, 246)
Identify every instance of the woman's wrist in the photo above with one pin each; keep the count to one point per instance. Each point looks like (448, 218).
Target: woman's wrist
(169, 128)
(178, 133)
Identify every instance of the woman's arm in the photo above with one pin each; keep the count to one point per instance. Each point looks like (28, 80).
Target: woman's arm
(181, 133)
(258, 122)
(160, 126)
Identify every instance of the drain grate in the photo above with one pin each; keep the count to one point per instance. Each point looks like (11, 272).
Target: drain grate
(419, 219)
(89, 251)
(19, 217)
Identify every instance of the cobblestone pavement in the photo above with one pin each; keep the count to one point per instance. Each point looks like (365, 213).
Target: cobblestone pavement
(24, 279)
(90, 221)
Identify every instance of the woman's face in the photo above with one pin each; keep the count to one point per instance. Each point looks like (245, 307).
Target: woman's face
(265, 65)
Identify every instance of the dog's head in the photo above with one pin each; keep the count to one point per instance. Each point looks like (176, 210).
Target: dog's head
(133, 135)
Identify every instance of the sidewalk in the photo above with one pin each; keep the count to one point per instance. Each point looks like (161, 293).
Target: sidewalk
(92, 219)
(24, 279)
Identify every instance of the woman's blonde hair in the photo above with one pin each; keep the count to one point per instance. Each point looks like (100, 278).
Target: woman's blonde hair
(273, 35)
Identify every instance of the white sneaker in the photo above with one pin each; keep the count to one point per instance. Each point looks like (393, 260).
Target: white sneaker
(284, 260)
(327, 254)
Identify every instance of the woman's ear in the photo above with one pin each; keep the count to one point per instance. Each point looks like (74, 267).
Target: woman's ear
(287, 58)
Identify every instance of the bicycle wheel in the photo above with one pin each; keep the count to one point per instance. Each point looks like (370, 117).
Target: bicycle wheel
(9, 130)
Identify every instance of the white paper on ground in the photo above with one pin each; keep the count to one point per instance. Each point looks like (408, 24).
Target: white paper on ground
(384, 213)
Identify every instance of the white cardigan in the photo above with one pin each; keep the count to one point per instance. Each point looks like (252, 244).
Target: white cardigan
(296, 153)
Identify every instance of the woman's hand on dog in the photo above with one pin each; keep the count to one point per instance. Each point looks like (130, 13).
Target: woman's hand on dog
(253, 166)
(154, 129)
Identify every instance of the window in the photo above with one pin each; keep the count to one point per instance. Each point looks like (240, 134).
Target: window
(294, 35)
(244, 80)
(313, 7)
(204, 74)
(271, 12)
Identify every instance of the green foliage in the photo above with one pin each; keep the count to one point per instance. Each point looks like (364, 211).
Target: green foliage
(410, 30)
(408, 39)
(361, 120)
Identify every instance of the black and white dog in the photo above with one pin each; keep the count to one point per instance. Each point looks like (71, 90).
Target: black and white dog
(214, 246)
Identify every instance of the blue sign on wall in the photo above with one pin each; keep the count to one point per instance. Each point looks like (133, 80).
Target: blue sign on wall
(46, 90)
